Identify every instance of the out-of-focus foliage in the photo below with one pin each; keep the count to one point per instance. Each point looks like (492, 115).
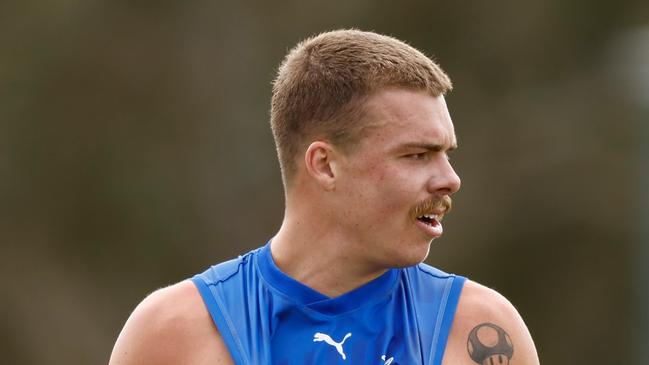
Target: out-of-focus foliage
(135, 151)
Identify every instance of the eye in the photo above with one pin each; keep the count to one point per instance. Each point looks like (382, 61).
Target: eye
(417, 156)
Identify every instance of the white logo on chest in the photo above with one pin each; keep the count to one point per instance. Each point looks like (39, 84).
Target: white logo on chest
(319, 337)
(387, 361)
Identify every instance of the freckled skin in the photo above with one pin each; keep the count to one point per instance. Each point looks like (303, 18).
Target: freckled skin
(381, 185)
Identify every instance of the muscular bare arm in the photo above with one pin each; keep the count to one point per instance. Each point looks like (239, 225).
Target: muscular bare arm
(170, 326)
(487, 330)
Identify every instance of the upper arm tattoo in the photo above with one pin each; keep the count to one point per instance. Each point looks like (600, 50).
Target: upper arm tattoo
(489, 344)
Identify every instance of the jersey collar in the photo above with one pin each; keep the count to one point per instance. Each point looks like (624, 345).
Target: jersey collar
(303, 295)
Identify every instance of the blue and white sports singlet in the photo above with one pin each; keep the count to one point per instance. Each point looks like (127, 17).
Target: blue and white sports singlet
(265, 317)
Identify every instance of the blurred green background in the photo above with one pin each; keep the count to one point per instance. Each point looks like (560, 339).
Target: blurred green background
(135, 151)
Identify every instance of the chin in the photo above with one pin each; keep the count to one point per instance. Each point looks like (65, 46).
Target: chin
(412, 256)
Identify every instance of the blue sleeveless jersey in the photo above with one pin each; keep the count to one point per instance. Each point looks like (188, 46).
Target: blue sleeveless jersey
(266, 317)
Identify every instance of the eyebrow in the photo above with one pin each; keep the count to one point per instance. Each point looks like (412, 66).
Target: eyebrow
(429, 146)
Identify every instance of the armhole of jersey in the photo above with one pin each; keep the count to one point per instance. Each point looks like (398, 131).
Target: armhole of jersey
(222, 323)
(445, 320)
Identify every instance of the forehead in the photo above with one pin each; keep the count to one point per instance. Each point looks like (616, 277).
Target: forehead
(395, 117)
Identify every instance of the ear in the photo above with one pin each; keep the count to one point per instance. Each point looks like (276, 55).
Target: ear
(319, 160)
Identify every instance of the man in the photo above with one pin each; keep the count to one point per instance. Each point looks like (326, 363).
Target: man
(363, 136)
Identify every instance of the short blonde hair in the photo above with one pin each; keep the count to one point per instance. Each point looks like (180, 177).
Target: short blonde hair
(322, 83)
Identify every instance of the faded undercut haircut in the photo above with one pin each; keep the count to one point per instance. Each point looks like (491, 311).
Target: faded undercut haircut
(322, 84)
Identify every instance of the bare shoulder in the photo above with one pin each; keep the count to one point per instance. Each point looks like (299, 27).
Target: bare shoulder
(170, 326)
(488, 330)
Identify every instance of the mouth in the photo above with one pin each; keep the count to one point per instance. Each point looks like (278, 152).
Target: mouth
(431, 224)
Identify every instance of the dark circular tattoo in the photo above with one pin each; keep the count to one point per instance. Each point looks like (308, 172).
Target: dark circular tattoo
(499, 345)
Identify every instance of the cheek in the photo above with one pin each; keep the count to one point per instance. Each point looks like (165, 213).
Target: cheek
(391, 191)
(379, 190)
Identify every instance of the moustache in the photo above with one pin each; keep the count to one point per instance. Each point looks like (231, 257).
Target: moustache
(443, 204)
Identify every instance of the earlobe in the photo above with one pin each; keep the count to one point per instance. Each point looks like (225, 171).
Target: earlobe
(318, 160)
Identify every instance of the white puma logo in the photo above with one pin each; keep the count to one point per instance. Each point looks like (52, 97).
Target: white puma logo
(388, 361)
(318, 337)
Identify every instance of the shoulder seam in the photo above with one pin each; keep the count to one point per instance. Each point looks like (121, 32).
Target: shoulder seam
(243, 259)
(446, 276)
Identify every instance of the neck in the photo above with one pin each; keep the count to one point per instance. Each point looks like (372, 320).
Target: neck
(311, 252)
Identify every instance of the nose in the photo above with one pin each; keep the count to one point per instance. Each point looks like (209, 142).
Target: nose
(444, 181)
